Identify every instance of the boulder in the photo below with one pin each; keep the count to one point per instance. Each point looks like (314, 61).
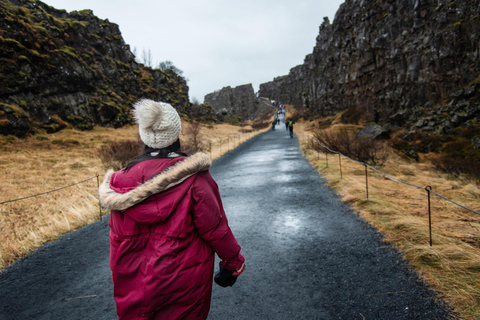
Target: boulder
(374, 131)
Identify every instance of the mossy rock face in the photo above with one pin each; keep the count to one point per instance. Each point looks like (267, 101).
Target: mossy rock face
(14, 121)
(54, 62)
(203, 113)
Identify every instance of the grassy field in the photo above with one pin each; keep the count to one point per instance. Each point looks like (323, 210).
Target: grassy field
(42, 163)
(400, 212)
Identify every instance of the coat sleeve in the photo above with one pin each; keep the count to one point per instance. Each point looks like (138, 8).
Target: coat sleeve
(211, 222)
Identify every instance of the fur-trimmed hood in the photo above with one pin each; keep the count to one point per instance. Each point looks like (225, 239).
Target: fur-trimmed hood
(173, 176)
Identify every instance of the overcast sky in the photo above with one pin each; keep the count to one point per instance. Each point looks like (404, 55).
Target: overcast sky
(217, 43)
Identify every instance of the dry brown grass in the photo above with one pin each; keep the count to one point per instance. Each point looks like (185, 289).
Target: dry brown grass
(36, 165)
(399, 212)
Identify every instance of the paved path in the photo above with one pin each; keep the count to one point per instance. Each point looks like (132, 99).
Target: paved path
(308, 255)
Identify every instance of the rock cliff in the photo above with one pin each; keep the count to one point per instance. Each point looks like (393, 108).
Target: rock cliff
(382, 57)
(240, 101)
(61, 69)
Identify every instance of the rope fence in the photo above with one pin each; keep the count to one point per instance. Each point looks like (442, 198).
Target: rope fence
(427, 188)
(54, 190)
(236, 142)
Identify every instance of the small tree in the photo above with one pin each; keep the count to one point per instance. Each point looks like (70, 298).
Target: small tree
(147, 58)
(195, 141)
(134, 52)
(168, 65)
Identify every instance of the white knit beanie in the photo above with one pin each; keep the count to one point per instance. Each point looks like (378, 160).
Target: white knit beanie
(158, 123)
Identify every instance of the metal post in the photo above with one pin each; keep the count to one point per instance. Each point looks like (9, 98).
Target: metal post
(366, 178)
(428, 188)
(99, 205)
(340, 164)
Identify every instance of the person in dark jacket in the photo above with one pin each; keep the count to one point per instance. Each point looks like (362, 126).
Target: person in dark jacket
(290, 127)
(166, 224)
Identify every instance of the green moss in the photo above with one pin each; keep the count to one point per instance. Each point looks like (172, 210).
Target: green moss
(56, 29)
(121, 64)
(41, 30)
(86, 12)
(69, 51)
(111, 104)
(93, 35)
(75, 119)
(10, 108)
(76, 23)
(35, 53)
(23, 58)
(15, 42)
(55, 102)
(22, 103)
(115, 97)
(456, 24)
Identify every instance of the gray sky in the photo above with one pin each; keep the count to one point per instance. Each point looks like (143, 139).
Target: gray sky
(217, 43)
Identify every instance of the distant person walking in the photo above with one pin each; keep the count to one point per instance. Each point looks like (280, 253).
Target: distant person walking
(286, 124)
(166, 224)
(290, 127)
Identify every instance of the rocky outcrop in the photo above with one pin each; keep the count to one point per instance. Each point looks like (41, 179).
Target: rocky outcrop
(62, 69)
(380, 57)
(240, 101)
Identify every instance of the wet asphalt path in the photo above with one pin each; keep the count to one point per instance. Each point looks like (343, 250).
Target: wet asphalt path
(308, 255)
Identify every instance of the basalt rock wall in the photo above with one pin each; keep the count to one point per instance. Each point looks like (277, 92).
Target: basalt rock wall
(379, 57)
(61, 69)
(239, 101)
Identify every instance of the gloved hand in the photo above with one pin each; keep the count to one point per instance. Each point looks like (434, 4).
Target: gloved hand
(227, 278)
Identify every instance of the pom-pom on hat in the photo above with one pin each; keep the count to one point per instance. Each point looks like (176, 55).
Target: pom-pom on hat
(158, 123)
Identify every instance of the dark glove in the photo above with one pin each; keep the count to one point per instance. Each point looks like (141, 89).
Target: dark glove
(224, 277)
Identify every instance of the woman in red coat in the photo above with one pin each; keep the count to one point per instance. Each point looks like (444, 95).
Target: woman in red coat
(166, 224)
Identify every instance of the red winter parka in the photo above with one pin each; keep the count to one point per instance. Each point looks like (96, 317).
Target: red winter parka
(166, 223)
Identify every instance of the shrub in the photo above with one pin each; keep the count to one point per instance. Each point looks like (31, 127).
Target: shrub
(117, 154)
(195, 141)
(458, 166)
(362, 149)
